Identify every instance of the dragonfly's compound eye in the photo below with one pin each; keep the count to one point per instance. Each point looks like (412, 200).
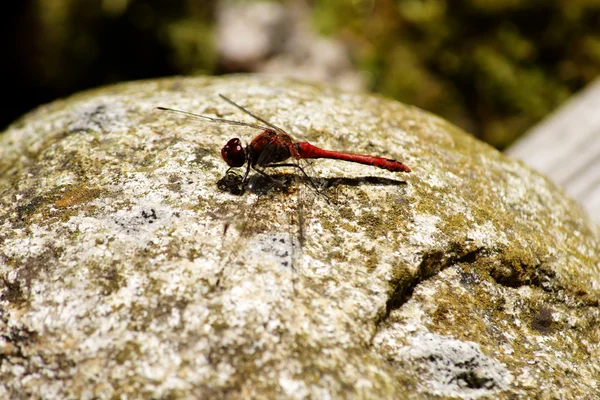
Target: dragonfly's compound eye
(233, 153)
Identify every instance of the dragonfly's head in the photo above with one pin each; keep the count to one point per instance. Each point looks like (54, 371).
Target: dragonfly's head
(234, 153)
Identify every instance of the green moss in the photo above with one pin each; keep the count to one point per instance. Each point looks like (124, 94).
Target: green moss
(12, 292)
(372, 257)
(108, 278)
(130, 352)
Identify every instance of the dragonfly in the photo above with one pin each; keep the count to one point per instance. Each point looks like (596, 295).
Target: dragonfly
(273, 146)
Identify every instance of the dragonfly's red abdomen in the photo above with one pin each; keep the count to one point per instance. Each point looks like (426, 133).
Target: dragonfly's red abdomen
(307, 150)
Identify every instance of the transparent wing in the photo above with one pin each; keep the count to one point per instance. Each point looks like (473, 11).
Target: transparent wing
(218, 120)
(264, 121)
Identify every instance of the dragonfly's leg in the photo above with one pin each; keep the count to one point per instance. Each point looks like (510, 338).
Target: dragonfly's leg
(231, 171)
(269, 177)
(312, 183)
(246, 175)
(290, 165)
(263, 173)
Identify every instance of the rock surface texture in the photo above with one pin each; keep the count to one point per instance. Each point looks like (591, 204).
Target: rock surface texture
(126, 270)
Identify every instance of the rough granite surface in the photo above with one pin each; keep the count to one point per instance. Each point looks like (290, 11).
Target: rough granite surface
(128, 271)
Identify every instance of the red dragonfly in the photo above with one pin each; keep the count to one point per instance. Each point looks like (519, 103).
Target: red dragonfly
(273, 146)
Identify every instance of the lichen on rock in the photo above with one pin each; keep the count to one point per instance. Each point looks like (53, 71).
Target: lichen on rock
(126, 270)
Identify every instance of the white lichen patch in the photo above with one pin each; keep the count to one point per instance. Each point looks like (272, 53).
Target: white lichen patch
(454, 368)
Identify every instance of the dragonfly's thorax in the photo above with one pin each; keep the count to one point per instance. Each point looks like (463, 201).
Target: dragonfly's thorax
(270, 147)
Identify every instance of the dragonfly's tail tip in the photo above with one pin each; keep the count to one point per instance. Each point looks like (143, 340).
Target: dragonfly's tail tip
(400, 167)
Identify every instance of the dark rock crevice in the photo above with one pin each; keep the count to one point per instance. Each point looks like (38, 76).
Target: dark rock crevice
(432, 264)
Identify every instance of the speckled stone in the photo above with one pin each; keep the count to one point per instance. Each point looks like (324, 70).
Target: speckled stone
(126, 270)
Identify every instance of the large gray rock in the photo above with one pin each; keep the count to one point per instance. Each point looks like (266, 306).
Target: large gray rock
(126, 271)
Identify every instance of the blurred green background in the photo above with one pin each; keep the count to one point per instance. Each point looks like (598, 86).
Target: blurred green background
(493, 67)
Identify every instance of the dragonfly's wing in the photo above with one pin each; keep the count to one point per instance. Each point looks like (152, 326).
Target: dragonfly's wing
(219, 120)
(264, 121)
